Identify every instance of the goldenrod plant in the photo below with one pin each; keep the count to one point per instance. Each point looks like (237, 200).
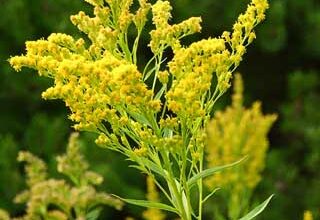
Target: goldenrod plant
(156, 114)
(58, 199)
(233, 134)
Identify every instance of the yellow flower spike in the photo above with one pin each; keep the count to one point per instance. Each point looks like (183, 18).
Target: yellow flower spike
(140, 18)
(152, 195)
(188, 68)
(125, 18)
(233, 134)
(187, 64)
(307, 215)
(237, 97)
(58, 198)
(169, 35)
(161, 11)
(36, 169)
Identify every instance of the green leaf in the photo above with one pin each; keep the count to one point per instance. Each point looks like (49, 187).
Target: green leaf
(94, 214)
(210, 194)
(160, 93)
(210, 171)
(149, 204)
(153, 166)
(148, 74)
(257, 210)
(139, 118)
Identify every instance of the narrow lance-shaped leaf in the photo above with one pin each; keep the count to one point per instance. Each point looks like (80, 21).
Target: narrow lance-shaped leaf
(257, 210)
(93, 215)
(149, 204)
(153, 166)
(209, 195)
(210, 171)
(139, 118)
(160, 93)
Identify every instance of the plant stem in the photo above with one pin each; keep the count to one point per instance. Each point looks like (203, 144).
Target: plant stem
(200, 187)
(177, 196)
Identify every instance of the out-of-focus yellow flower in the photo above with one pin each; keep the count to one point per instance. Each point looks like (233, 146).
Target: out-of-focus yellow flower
(36, 169)
(152, 195)
(4, 215)
(43, 193)
(307, 215)
(233, 134)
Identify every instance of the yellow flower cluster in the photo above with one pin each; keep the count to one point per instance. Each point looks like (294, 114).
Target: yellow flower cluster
(74, 165)
(4, 215)
(36, 169)
(152, 195)
(43, 193)
(192, 67)
(108, 29)
(233, 134)
(101, 84)
(169, 35)
(307, 215)
(243, 33)
(93, 89)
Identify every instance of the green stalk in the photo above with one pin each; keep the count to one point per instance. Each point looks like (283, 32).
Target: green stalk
(172, 185)
(135, 47)
(200, 187)
(183, 178)
(158, 64)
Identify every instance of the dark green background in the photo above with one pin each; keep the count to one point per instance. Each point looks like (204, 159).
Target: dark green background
(281, 68)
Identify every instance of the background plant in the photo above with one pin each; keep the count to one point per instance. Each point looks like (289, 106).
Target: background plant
(301, 127)
(57, 198)
(234, 133)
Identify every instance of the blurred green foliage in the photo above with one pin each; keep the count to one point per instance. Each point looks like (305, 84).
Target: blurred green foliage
(288, 40)
(293, 172)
